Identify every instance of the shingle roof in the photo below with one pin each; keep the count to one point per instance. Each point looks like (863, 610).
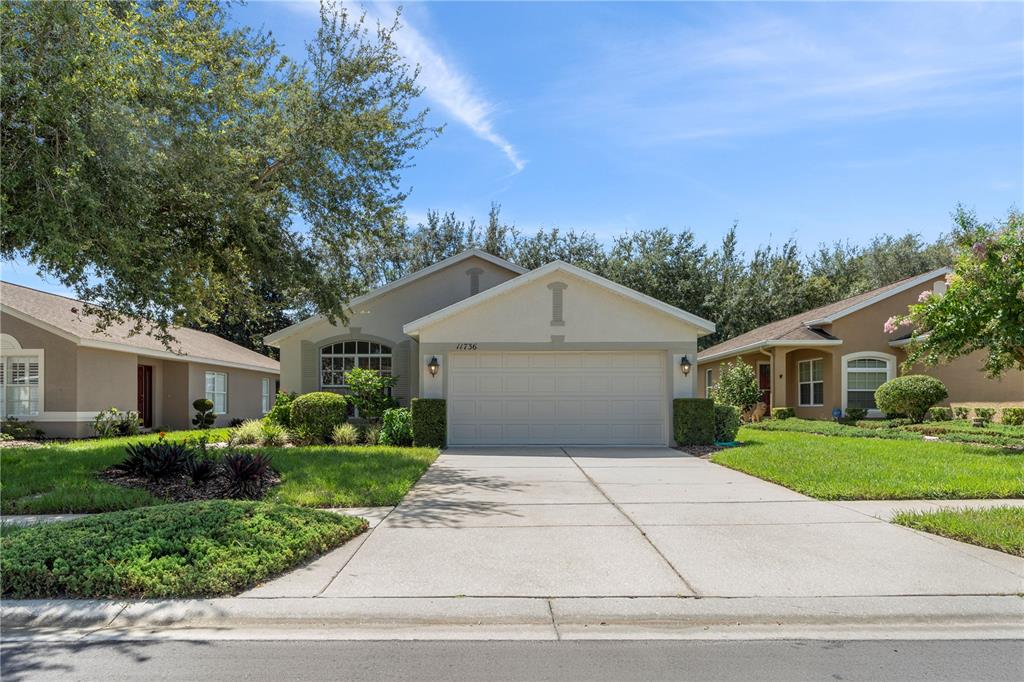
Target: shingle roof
(794, 328)
(65, 314)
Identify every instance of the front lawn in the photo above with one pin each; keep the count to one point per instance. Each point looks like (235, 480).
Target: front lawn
(957, 431)
(845, 468)
(1000, 528)
(196, 549)
(61, 477)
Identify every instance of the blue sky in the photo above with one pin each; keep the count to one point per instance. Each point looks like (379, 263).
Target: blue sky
(812, 121)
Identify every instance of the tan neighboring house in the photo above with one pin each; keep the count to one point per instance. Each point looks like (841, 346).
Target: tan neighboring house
(58, 372)
(552, 356)
(835, 356)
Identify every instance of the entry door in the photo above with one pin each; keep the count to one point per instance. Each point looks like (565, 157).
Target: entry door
(557, 398)
(145, 394)
(764, 381)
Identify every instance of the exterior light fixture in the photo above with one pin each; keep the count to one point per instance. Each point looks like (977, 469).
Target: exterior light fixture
(433, 366)
(684, 364)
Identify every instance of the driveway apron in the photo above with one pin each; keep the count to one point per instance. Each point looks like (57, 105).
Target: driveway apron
(639, 522)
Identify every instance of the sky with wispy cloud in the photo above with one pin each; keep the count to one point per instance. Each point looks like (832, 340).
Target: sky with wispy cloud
(812, 121)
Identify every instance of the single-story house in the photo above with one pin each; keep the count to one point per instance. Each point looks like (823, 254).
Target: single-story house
(835, 356)
(58, 372)
(552, 356)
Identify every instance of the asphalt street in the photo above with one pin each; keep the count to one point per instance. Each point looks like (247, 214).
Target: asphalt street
(466, 660)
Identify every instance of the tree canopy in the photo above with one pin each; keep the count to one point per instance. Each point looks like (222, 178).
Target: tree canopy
(167, 166)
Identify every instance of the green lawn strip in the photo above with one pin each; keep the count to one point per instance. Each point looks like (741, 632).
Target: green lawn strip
(195, 549)
(332, 476)
(953, 431)
(1000, 528)
(842, 468)
(828, 428)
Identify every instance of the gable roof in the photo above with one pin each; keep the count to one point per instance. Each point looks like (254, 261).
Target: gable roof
(414, 327)
(798, 330)
(272, 339)
(62, 316)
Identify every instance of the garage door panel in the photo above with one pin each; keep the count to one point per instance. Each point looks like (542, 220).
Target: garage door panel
(558, 398)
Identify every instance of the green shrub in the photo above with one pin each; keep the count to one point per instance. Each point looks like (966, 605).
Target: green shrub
(281, 412)
(316, 414)
(368, 391)
(783, 413)
(985, 414)
(962, 412)
(856, 413)
(727, 423)
(737, 386)
(429, 422)
(371, 435)
(19, 430)
(396, 427)
(112, 422)
(345, 434)
(911, 395)
(204, 413)
(250, 432)
(1013, 416)
(940, 414)
(273, 434)
(693, 421)
(197, 549)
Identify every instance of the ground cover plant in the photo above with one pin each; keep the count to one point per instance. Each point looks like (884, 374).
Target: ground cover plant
(196, 549)
(959, 431)
(845, 468)
(1000, 528)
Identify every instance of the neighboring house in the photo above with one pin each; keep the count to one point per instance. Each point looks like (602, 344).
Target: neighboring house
(836, 356)
(58, 372)
(554, 356)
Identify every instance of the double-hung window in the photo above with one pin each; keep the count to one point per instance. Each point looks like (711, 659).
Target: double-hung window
(863, 377)
(265, 395)
(812, 383)
(19, 386)
(217, 391)
(708, 375)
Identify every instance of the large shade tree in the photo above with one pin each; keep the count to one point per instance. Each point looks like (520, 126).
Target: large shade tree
(166, 165)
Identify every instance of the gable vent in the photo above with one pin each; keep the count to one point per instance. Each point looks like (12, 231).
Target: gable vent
(474, 280)
(557, 303)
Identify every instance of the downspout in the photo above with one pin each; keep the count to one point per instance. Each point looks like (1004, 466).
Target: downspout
(771, 387)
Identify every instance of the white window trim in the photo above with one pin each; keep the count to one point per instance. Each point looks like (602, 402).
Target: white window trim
(208, 394)
(321, 355)
(12, 349)
(708, 383)
(890, 372)
(821, 381)
(265, 395)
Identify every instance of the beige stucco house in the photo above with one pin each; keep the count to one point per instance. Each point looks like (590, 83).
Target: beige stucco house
(555, 356)
(57, 372)
(834, 357)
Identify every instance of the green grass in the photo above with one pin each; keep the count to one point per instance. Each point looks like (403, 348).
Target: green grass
(958, 431)
(1000, 528)
(843, 468)
(829, 428)
(196, 549)
(61, 477)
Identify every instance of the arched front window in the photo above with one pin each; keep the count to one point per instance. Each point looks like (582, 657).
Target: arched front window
(337, 359)
(863, 377)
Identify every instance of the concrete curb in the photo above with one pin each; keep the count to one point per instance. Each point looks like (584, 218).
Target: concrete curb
(961, 617)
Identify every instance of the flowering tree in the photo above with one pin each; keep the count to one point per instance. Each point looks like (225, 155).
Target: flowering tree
(983, 306)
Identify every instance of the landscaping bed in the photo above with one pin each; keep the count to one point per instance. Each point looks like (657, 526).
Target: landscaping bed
(857, 468)
(196, 549)
(999, 528)
(958, 431)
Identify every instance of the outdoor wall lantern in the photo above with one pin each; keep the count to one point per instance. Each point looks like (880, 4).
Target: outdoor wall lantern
(684, 364)
(433, 366)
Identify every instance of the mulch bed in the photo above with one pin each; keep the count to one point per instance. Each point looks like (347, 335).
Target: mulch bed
(180, 488)
(702, 451)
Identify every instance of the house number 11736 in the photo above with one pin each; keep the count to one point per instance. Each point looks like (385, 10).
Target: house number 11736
(465, 346)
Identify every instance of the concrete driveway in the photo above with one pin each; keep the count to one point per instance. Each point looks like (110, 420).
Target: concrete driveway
(645, 522)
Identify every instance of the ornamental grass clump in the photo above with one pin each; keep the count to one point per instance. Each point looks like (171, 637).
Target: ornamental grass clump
(345, 434)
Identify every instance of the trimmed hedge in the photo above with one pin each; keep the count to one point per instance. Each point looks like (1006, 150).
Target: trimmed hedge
(783, 413)
(727, 423)
(314, 415)
(693, 421)
(940, 414)
(911, 395)
(1013, 416)
(429, 422)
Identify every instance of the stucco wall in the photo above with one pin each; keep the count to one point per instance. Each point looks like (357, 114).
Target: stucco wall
(244, 391)
(106, 379)
(60, 362)
(382, 319)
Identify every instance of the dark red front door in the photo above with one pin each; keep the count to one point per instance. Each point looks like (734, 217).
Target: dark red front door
(764, 380)
(146, 395)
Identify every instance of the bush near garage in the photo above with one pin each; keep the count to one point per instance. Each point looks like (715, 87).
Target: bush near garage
(314, 415)
(396, 427)
(911, 395)
(693, 421)
(429, 422)
(196, 549)
(737, 386)
(727, 423)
